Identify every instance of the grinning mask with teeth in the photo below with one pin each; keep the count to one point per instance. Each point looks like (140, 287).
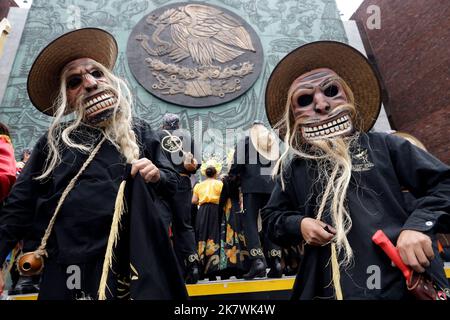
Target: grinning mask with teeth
(321, 106)
(99, 108)
(87, 88)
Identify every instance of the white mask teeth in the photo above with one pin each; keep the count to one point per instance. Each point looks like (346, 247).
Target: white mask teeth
(329, 129)
(99, 102)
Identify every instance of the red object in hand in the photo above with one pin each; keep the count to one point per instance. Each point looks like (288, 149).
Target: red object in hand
(380, 239)
(421, 286)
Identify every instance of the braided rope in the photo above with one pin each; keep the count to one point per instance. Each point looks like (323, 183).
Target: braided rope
(336, 273)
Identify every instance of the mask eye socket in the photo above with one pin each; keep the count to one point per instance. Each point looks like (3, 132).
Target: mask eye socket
(74, 82)
(305, 100)
(97, 74)
(331, 90)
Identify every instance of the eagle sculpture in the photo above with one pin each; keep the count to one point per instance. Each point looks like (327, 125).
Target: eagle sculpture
(204, 33)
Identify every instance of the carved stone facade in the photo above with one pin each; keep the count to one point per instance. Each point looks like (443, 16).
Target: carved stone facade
(281, 25)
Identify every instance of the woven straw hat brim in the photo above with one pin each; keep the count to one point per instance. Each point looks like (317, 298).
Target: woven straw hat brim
(411, 139)
(44, 77)
(345, 60)
(274, 152)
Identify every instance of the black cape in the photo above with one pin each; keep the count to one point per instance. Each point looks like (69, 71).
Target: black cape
(144, 265)
(252, 170)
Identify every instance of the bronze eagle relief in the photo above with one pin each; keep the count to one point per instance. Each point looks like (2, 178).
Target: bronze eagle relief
(194, 54)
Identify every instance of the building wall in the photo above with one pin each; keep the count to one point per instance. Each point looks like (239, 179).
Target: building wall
(16, 18)
(412, 52)
(354, 39)
(282, 25)
(4, 7)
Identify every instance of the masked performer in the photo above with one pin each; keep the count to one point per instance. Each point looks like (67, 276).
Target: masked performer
(339, 184)
(253, 159)
(73, 184)
(174, 142)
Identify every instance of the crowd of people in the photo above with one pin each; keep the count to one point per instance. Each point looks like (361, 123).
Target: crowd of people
(114, 197)
(222, 237)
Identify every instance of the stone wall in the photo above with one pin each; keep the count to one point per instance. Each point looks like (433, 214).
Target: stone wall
(281, 25)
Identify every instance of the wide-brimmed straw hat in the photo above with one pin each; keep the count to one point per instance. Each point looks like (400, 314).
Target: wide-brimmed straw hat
(343, 59)
(264, 141)
(44, 77)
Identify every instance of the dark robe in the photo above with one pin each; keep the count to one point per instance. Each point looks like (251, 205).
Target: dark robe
(252, 170)
(144, 265)
(82, 227)
(181, 202)
(253, 174)
(382, 165)
(176, 157)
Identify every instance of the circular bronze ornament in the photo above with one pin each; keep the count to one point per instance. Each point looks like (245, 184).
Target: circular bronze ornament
(194, 54)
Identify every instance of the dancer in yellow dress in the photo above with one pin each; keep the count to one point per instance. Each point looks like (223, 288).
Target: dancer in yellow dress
(207, 223)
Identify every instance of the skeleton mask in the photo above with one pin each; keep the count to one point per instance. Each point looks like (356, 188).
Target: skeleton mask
(318, 103)
(86, 87)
